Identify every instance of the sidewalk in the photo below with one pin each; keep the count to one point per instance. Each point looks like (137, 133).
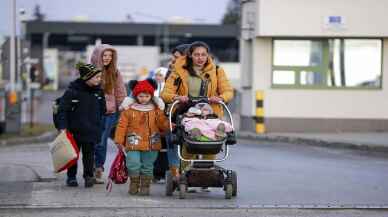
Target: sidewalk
(43, 138)
(371, 141)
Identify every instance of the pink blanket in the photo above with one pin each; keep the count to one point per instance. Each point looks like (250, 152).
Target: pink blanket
(206, 126)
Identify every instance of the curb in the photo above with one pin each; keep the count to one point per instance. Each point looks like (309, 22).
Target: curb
(313, 142)
(45, 137)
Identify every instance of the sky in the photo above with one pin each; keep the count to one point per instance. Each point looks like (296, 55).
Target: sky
(198, 11)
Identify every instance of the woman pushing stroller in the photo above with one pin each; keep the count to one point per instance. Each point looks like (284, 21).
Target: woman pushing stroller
(196, 75)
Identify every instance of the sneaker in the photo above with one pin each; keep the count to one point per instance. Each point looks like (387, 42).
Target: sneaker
(205, 189)
(71, 182)
(98, 179)
(191, 190)
(161, 181)
(89, 182)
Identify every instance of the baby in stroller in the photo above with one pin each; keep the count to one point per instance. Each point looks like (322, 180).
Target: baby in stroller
(199, 136)
(202, 124)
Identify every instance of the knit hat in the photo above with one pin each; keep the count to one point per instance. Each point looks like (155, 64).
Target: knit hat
(148, 86)
(87, 71)
(182, 48)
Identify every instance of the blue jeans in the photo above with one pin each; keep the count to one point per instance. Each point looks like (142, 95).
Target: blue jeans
(109, 120)
(172, 152)
(141, 162)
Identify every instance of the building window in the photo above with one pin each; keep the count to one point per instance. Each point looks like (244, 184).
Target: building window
(327, 63)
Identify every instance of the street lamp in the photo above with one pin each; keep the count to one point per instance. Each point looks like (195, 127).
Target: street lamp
(166, 31)
(12, 96)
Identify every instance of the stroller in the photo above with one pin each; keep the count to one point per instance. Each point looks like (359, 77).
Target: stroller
(201, 172)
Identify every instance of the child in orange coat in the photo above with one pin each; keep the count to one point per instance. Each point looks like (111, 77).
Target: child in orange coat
(139, 133)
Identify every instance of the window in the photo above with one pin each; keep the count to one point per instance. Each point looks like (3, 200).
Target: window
(327, 63)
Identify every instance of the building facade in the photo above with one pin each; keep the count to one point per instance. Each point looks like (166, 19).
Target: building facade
(320, 65)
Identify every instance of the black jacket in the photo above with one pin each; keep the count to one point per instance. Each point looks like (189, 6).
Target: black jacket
(81, 110)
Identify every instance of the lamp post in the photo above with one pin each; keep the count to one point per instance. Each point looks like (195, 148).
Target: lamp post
(12, 97)
(166, 31)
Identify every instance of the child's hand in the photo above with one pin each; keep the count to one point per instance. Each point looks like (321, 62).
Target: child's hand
(119, 146)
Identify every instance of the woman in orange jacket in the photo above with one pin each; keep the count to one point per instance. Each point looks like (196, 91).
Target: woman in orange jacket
(195, 75)
(139, 133)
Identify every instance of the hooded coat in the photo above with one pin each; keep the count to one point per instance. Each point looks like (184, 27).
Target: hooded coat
(177, 83)
(115, 98)
(140, 127)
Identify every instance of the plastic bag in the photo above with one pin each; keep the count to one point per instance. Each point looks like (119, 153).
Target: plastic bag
(64, 151)
(118, 173)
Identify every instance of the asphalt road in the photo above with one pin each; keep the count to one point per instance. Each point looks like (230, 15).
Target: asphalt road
(274, 179)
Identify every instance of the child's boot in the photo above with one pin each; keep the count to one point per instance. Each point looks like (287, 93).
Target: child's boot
(71, 182)
(134, 185)
(89, 182)
(145, 183)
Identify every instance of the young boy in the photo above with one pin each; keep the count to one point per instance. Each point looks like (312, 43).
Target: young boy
(80, 112)
(139, 133)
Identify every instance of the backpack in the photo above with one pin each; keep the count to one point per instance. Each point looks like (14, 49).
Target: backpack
(56, 103)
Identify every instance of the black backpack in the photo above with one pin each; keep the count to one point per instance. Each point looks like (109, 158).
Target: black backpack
(56, 103)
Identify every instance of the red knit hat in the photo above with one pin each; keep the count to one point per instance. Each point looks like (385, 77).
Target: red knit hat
(146, 86)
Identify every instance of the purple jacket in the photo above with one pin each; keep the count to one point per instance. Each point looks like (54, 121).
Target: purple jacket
(114, 99)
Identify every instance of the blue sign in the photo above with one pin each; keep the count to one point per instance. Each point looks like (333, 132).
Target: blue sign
(335, 19)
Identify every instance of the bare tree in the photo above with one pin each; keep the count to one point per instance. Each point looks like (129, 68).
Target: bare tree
(232, 15)
(38, 15)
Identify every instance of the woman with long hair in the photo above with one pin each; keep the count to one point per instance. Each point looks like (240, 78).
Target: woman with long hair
(195, 74)
(104, 56)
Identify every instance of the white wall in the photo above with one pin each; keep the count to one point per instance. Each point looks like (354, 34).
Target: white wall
(233, 72)
(307, 17)
(304, 103)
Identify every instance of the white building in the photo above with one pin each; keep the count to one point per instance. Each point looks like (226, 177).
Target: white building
(319, 63)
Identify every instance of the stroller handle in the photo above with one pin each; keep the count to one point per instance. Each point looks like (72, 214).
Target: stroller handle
(196, 100)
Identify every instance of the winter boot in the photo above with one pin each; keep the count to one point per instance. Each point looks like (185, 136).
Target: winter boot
(145, 183)
(71, 182)
(89, 182)
(134, 185)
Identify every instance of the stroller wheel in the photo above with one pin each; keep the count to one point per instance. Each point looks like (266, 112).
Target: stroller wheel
(228, 191)
(234, 183)
(182, 191)
(169, 184)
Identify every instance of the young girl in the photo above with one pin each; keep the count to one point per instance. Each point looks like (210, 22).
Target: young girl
(139, 133)
(105, 57)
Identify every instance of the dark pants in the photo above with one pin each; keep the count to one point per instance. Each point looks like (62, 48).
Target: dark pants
(161, 163)
(87, 149)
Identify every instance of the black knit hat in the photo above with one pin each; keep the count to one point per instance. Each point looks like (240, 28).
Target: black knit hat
(182, 48)
(87, 71)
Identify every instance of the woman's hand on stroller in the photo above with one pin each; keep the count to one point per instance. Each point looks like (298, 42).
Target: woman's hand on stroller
(215, 99)
(182, 99)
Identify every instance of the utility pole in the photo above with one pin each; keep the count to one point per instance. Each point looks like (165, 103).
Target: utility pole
(12, 49)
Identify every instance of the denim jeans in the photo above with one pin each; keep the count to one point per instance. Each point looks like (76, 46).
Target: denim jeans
(109, 120)
(141, 162)
(172, 152)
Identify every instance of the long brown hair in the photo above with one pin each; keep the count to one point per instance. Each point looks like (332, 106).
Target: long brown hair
(109, 75)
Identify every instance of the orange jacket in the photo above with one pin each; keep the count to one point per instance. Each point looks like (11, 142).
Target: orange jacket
(177, 83)
(141, 130)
